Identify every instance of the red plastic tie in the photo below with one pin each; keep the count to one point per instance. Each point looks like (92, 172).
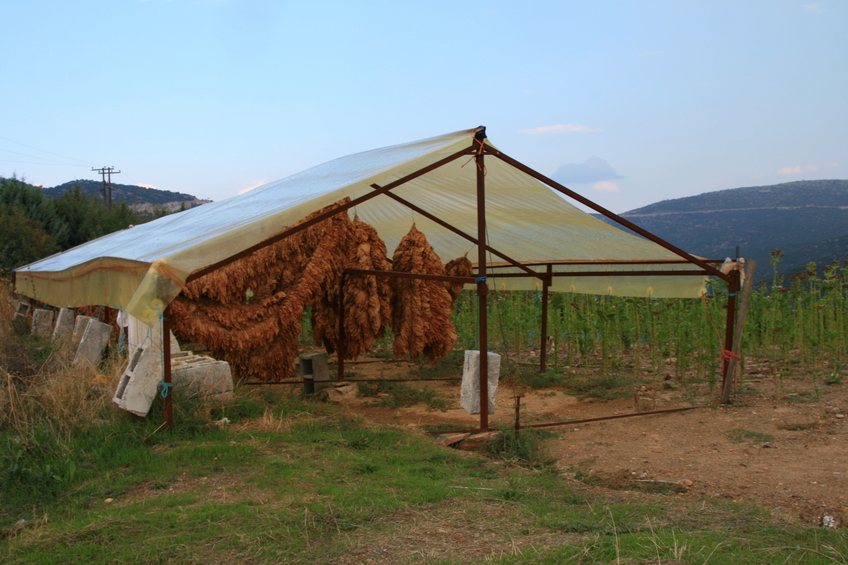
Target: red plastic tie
(726, 355)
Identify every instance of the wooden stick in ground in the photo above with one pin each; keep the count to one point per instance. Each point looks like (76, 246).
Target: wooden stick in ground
(737, 336)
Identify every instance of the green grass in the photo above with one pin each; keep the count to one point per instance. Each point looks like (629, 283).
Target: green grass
(398, 395)
(326, 487)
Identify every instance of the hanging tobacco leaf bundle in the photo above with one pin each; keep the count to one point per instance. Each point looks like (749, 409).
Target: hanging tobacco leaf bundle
(421, 309)
(459, 267)
(366, 299)
(248, 313)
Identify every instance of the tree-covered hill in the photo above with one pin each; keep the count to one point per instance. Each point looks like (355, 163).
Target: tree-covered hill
(131, 194)
(33, 225)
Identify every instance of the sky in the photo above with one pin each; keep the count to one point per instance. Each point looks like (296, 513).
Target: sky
(626, 102)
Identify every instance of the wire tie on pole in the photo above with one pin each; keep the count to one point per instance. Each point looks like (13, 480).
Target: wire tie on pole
(480, 280)
(726, 355)
(166, 388)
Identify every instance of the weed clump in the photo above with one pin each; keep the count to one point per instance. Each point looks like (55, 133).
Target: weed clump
(525, 449)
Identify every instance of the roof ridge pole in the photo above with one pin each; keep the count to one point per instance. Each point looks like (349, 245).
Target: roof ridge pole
(482, 287)
(611, 215)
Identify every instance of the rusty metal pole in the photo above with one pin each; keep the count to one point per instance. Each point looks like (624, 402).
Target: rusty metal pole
(340, 346)
(166, 367)
(517, 415)
(543, 347)
(732, 291)
(482, 287)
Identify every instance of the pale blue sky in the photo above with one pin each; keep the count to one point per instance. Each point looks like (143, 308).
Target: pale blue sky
(213, 97)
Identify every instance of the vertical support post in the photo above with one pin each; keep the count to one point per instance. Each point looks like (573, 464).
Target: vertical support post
(340, 346)
(482, 287)
(543, 354)
(166, 367)
(517, 416)
(733, 290)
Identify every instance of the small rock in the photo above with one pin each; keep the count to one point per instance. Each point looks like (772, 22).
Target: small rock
(109, 500)
(686, 483)
(829, 522)
(340, 392)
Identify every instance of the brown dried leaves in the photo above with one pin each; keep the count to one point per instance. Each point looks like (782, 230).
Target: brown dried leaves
(366, 299)
(421, 309)
(260, 339)
(249, 312)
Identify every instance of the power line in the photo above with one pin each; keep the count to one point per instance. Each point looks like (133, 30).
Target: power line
(42, 163)
(48, 161)
(44, 151)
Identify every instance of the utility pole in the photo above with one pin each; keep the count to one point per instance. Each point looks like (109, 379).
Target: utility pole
(107, 185)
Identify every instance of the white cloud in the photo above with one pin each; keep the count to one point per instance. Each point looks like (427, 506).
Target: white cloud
(605, 186)
(146, 186)
(790, 170)
(814, 8)
(563, 128)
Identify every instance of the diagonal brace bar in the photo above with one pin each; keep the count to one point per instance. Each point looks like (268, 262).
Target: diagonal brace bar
(611, 215)
(459, 232)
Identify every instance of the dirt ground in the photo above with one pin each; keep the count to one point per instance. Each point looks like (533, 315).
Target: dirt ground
(779, 445)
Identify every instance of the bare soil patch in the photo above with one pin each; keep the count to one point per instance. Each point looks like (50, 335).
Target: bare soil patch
(781, 444)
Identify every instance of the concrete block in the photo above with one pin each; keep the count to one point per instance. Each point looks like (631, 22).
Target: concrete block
(204, 377)
(93, 343)
(469, 397)
(22, 308)
(80, 325)
(64, 329)
(42, 323)
(140, 334)
(193, 375)
(140, 381)
(314, 371)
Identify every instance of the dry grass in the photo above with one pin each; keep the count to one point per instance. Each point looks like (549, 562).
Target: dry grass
(40, 388)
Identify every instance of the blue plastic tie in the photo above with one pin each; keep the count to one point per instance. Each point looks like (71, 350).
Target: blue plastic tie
(166, 388)
(480, 280)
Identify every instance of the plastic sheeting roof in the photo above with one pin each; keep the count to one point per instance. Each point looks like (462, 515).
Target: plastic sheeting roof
(143, 268)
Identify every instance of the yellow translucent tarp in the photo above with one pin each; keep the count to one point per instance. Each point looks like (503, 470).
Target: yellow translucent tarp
(143, 268)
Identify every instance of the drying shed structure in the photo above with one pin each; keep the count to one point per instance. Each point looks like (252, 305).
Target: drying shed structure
(469, 198)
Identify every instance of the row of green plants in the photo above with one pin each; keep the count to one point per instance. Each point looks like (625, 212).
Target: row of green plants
(801, 320)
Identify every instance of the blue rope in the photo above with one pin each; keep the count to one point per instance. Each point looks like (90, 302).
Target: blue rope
(480, 280)
(166, 388)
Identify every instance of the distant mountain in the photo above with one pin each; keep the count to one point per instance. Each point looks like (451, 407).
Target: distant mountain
(131, 194)
(807, 220)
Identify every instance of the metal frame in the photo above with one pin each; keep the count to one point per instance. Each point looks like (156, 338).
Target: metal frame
(479, 150)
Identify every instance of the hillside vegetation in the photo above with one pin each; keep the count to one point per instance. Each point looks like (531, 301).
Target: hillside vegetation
(33, 225)
(131, 194)
(808, 220)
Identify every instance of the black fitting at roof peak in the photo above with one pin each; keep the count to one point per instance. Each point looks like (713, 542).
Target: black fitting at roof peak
(480, 135)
